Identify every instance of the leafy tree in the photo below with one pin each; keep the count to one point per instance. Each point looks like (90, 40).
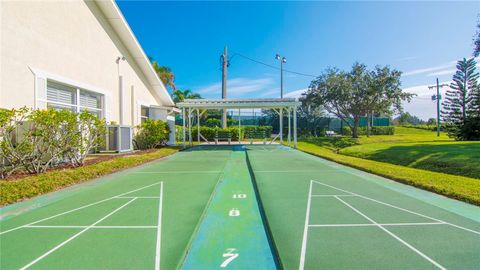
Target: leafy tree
(165, 74)
(432, 121)
(310, 115)
(461, 101)
(358, 93)
(181, 95)
(407, 118)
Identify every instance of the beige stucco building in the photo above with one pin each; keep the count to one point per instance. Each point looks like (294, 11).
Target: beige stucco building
(79, 55)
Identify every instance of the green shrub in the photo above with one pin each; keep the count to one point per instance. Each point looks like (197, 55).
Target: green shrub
(91, 131)
(213, 122)
(376, 130)
(209, 132)
(334, 143)
(35, 140)
(152, 134)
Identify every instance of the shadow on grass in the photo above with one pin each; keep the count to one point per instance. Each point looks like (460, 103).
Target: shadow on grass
(457, 159)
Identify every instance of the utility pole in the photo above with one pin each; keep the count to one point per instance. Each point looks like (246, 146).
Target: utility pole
(437, 98)
(224, 60)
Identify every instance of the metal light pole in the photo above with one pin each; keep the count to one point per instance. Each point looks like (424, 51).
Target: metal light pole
(224, 60)
(437, 98)
(282, 60)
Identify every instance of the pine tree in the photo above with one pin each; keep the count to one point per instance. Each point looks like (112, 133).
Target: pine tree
(462, 101)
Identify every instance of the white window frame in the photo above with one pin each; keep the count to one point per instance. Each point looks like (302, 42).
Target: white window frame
(45, 77)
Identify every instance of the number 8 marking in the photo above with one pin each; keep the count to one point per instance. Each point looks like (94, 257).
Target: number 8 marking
(230, 257)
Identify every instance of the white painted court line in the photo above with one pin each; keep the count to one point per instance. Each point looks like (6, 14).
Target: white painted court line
(137, 197)
(75, 236)
(340, 195)
(371, 224)
(295, 171)
(178, 172)
(393, 235)
(400, 208)
(79, 208)
(305, 229)
(159, 230)
(91, 227)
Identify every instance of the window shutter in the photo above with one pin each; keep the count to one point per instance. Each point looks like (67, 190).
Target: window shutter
(88, 100)
(61, 93)
(40, 93)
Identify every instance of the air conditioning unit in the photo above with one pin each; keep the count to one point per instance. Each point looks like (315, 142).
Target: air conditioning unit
(118, 139)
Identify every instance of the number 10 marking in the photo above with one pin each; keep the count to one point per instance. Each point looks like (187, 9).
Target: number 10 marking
(230, 257)
(240, 196)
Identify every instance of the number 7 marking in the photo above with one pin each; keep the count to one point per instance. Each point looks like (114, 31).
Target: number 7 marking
(230, 257)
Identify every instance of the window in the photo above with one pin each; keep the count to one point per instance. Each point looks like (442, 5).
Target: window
(145, 114)
(60, 96)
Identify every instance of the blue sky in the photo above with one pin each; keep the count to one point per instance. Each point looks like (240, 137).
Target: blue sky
(422, 39)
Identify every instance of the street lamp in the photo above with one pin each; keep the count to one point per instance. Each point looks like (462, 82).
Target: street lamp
(282, 60)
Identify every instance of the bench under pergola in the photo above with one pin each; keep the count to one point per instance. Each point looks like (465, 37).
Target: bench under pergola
(198, 107)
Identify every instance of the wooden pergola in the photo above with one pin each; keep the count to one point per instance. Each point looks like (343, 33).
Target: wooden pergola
(200, 106)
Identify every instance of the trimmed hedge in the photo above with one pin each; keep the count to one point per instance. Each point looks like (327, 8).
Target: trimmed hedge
(388, 130)
(209, 132)
(20, 189)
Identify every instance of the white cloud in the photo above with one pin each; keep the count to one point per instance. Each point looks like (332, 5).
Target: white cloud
(430, 69)
(296, 93)
(442, 72)
(422, 90)
(422, 105)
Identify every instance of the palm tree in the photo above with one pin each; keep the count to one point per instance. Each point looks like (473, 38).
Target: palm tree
(165, 74)
(181, 95)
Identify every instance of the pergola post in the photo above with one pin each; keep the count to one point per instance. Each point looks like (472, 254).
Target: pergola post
(239, 127)
(198, 126)
(183, 127)
(190, 126)
(295, 127)
(289, 125)
(281, 125)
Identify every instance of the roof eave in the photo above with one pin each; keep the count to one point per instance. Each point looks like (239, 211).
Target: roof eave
(115, 17)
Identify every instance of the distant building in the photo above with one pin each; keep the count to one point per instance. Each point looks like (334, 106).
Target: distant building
(78, 55)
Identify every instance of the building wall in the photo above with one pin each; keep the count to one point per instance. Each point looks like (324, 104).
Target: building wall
(72, 41)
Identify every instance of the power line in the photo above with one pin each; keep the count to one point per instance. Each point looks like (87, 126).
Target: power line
(272, 66)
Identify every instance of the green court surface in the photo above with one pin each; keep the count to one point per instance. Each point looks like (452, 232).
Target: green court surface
(240, 207)
(138, 219)
(325, 216)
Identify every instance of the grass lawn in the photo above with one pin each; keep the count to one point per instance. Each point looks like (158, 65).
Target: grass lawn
(27, 187)
(412, 156)
(459, 158)
(420, 149)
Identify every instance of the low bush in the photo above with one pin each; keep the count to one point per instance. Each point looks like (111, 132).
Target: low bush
(36, 140)
(209, 133)
(376, 130)
(334, 143)
(152, 134)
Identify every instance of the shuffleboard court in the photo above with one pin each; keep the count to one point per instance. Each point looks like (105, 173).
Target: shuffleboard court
(325, 216)
(240, 207)
(231, 234)
(137, 219)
